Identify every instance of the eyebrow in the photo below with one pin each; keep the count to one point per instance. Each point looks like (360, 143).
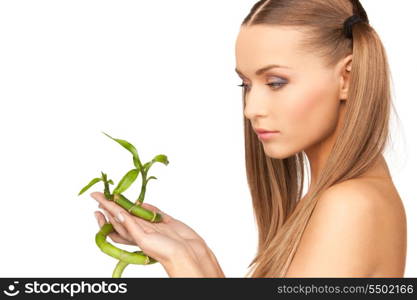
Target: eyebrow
(264, 69)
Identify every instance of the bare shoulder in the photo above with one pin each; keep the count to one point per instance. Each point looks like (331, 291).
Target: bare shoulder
(361, 196)
(357, 229)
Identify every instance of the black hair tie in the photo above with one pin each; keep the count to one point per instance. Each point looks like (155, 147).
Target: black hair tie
(347, 25)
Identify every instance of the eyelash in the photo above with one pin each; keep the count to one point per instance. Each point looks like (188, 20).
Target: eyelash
(272, 84)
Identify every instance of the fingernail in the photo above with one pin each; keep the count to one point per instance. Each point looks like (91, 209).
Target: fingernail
(120, 217)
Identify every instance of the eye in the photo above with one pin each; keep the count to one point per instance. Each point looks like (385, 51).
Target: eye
(276, 85)
(245, 86)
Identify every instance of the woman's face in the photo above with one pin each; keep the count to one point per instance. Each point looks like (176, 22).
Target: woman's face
(301, 99)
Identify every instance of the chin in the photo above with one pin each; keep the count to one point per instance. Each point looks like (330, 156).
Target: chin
(278, 152)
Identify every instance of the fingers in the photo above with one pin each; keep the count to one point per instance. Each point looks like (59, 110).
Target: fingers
(135, 229)
(151, 207)
(114, 236)
(113, 208)
(117, 226)
(165, 216)
(108, 205)
(117, 239)
(147, 226)
(101, 220)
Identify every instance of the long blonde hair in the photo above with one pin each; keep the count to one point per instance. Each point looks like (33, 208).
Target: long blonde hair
(276, 185)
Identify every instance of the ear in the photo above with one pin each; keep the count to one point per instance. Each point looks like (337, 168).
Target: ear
(345, 69)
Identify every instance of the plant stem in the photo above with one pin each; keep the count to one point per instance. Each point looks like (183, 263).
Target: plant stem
(106, 189)
(141, 197)
(117, 272)
(121, 265)
(136, 210)
(106, 186)
(126, 256)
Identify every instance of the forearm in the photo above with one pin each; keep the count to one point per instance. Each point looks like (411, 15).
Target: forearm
(183, 265)
(206, 259)
(211, 265)
(189, 264)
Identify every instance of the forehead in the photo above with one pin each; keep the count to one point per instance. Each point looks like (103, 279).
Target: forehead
(259, 45)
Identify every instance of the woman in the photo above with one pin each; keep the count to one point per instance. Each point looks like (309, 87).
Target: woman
(316, 74)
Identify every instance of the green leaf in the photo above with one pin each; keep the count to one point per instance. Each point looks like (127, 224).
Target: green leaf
(126, 181)
(161, 158)
(92, 182)
(136, 163)
(110, 181)
(130, 148)
(152, 177)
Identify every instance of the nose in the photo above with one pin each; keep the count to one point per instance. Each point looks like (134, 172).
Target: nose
(255, 105)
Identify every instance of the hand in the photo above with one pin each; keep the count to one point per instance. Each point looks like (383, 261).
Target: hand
(155, 239)
(169, 226)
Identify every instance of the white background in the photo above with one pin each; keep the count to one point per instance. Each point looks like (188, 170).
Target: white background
(159, 74)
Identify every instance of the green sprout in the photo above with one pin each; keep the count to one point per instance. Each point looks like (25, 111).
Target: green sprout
(125, 257)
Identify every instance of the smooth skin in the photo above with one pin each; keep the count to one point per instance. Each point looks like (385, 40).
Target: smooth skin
(358, 228)
(181, 251)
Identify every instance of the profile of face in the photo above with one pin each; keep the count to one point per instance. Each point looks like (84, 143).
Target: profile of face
(301, 99)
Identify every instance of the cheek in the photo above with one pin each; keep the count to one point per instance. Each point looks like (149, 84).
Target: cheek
(311, 114)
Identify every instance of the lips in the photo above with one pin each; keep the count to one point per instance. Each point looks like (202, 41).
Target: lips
(261, 130)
